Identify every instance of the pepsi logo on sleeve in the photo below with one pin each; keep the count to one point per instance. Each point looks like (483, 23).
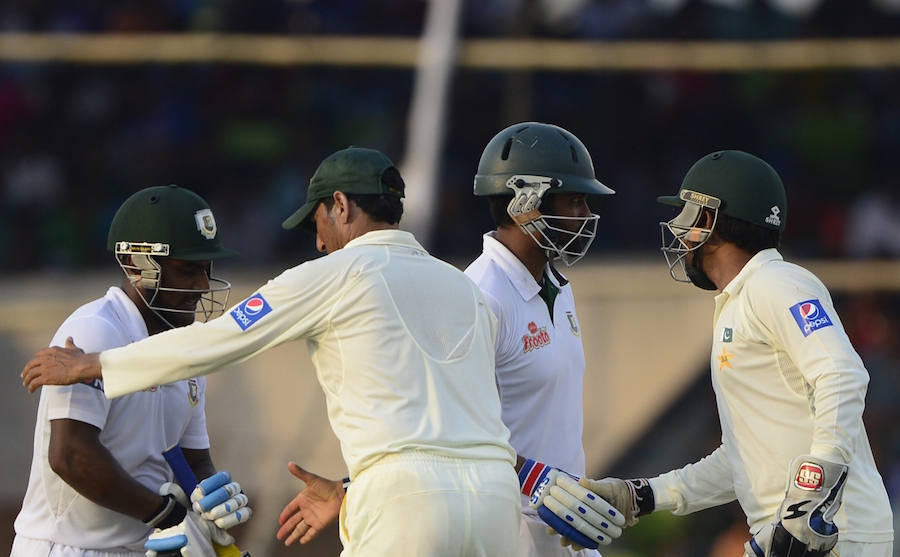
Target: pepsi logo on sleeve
(250, 311)
(810, 316)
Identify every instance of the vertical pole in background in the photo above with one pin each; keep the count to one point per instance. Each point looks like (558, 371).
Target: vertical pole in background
(427, 115)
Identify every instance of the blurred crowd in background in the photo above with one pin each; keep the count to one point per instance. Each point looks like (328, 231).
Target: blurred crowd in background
(76, 140)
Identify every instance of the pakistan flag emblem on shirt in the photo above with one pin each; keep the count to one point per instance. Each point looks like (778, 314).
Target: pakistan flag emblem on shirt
(727, 334)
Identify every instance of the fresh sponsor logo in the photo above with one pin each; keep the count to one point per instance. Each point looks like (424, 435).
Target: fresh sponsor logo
(250, 311)
(537, 337)
(810, 316)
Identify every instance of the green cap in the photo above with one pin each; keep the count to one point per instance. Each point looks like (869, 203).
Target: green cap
(748, 188)
(353, 171)
(176, 220)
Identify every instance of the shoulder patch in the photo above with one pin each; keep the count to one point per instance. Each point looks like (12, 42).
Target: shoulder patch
(810, 316)
(250, 311)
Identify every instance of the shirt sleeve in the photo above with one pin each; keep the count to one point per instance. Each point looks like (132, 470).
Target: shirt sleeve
(195, 435)
(293, 305)
(794, 313)
(701, 485)
(84, 402)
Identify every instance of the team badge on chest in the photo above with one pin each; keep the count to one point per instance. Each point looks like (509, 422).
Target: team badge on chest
(193, 392)
(573, 324)
(537, 337)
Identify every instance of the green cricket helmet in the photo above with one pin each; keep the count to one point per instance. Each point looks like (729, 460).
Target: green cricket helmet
(732, 183)
(531, 159)
(173, 222)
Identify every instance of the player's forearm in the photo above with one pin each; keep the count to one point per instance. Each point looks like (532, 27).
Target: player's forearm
(701, 485)
(200, 462)
(96, 475)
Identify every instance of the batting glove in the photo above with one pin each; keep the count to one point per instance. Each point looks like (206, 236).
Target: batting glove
(804, 525)
(221, 501)
(582, 525)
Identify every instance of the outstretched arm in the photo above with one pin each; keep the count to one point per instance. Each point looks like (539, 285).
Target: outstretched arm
(60, 366)
(314, 508)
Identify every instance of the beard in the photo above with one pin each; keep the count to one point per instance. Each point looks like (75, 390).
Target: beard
(696, 275)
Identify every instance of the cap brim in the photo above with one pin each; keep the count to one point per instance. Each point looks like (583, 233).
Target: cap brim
(301, 215)
(671, 200)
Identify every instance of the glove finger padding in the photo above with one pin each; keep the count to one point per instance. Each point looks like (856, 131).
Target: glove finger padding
(633, 498)
(804, 525)
(571, 524)
(230, 513)
(219, 499)
(589, 505)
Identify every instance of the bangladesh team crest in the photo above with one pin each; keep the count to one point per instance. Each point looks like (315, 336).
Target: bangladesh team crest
(206, 223)
(193, 392)
(573, 324)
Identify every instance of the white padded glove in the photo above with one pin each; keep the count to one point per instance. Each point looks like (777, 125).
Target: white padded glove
(804, 524)
(581, 517)
(633, 498)
(221, 501)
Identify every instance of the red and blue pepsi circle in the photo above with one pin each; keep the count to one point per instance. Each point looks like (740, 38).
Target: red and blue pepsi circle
(250, 311)
(810, 316)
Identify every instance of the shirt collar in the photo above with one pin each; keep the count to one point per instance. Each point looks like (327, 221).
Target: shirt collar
(756, 262)
(129, 313)
(514, 269)
(390, 236)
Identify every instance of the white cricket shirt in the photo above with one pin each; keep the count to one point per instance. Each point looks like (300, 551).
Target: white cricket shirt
(540, 361)
(402, 343)
(135, 429)
(787, 382)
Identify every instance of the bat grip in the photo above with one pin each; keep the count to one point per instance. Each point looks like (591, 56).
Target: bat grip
(180, 467)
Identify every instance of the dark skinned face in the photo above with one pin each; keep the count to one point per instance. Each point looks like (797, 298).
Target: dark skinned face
(185, 275)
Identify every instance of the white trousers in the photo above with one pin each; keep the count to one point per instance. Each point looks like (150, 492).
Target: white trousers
(420, 504)
(27, 547)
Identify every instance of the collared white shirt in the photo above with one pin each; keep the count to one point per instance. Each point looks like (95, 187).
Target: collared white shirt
(787, 382)
(402, 343)
(136, 429)
(540, 361)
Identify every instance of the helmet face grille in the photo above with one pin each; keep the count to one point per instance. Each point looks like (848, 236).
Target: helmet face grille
(146, 275)
(681, 235)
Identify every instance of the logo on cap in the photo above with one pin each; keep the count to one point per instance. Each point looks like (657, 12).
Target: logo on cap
(774, 219)
(206, 223)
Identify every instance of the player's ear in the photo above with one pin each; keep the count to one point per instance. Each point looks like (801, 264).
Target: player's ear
(708, 219)
(342, 205)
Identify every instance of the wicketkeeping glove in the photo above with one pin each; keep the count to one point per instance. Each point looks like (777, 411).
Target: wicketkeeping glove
(804, 524)
(633, 498)
(220, 500)
(588, 523)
